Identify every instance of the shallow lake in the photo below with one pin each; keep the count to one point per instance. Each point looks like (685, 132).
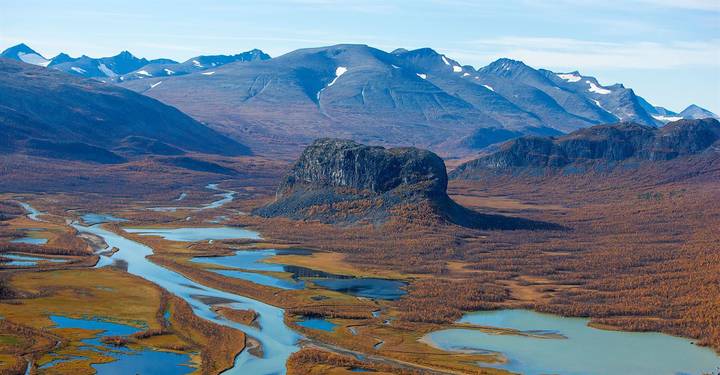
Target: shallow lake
(193, 234)
(252, 260)
(30, 240)
(368, 288)
(585, 350)
(92, 219)
(127, 361)
(27, 260)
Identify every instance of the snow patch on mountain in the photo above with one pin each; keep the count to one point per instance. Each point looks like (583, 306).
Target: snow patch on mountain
(197, 63)
(422, 75)
(597, 89)
(338, 72)
(78, 70)
(457, 69)
(597, 103)
(489, 88)
(570, 77)
(144, 73)
(667, 118)
(105, 70)
(33, 58)
(169, 72)
(445, 60)
(155, 85)
(207, 73)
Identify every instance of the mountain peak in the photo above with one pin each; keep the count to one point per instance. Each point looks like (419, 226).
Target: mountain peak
(420, 52)
(694, 111)
(505, 63)
(19, 48)
(22, 52)
(125, 55)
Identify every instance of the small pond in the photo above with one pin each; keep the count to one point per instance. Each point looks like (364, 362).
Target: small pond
(317, 323)
(550, 344)
(193, 234)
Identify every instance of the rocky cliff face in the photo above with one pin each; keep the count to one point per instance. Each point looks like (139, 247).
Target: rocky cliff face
(599, 146)
(334, 163)
(343, 182)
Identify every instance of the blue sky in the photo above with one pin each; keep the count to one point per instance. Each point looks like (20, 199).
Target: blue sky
(667, 50)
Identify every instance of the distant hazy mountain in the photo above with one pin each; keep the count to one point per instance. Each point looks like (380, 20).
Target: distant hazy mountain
(104, 67)
(418, 98)
(195, 64)
(125, 66)
(22, 52)
(600, 146)
(47, 113)
(695, 112)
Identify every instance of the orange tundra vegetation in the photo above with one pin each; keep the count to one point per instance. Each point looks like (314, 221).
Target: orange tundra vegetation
(640, 250)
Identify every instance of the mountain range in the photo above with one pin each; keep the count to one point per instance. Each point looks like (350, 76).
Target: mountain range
(412, 98)
(125, 66)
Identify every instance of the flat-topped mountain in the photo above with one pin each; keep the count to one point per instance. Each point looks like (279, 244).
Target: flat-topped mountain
(333, 163)
(45, 112)
(340, 181)
(599, 146)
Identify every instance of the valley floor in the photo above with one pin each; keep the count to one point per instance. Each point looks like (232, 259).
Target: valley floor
(639, 252)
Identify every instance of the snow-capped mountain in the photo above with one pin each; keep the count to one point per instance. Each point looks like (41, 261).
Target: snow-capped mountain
(419, 97)
(104, 68)
(695, 112)
(22, 52)
(125, 66)
(195, 64)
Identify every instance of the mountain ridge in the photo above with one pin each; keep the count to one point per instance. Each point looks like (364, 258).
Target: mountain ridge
(47, 113)
(601, 147)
